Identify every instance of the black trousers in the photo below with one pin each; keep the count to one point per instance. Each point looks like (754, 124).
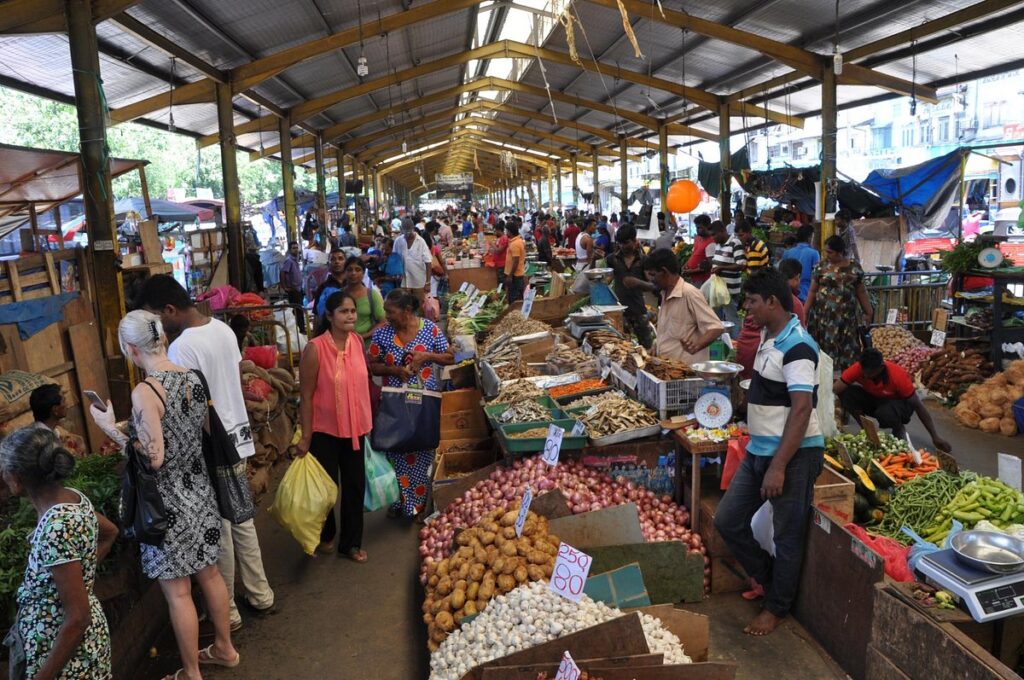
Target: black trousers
(890, 413)
(346, 468)
(295, 298)
(516, 288)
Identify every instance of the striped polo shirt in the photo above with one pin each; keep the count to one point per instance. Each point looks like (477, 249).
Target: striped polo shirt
(784, 364)
(757, 255)
(729, 253)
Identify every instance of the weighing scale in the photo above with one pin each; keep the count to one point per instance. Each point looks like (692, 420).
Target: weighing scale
(987, 596)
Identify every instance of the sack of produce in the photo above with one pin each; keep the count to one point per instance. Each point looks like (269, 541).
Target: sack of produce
(381, 482)
(264, 356)
(303, 499)
(15, 389)
(716, 291)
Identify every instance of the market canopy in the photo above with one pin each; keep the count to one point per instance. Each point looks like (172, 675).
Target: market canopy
(509, 74)
(40, 180)
(162, 211)
(924, 193)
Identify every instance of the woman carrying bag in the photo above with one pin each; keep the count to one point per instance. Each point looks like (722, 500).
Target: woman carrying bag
(335, 414)
(407, 353)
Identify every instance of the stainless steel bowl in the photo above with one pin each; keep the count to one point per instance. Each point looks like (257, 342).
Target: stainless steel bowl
(716, 370)
(989, 550)
(598, 273)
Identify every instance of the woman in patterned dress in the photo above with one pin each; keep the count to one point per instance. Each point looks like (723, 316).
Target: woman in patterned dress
(407, 353)
(60, 621)
(837, 287)
(168, 413)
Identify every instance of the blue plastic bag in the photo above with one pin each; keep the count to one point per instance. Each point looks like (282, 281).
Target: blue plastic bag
(381, 482)
(923, 547)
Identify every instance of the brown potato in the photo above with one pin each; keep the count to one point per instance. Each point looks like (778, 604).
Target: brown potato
(534, 572)
(506, 583)
(444, 586)
(472, 591)
(521, 574)
(476, 572)
(458, 599)
(445, 621)
(989, 425)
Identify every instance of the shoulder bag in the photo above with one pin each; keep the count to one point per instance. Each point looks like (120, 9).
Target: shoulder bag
(143, 516)
(407, 420)
(226, 469)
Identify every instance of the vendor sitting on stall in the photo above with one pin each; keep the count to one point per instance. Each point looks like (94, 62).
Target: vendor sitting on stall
(686, 324)
(883, 390)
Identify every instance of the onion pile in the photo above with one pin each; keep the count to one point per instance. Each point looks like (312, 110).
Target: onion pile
(911, 358)
(584, 488)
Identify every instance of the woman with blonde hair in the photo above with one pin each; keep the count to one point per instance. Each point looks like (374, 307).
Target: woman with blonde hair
(169, 408)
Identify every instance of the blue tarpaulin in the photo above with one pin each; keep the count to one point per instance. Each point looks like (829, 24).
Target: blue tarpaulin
(32, 316)
(923, 192)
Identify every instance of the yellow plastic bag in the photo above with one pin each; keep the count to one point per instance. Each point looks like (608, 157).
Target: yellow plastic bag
(716, 292)
(305, 496)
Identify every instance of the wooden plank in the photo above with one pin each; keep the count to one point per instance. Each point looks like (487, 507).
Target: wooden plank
(692, 629)
(91, 369)
(617, 525)
(671, 573)
(151, 248)
(690, 671)
(623, 636)
(44, 350)
(839, 575)
(14, 278)
(51, 274)
(530, 671)
(879, 667)
(551, 505)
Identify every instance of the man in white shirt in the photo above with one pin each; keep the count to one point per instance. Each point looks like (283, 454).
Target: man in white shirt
(209, 345)
(416, 256)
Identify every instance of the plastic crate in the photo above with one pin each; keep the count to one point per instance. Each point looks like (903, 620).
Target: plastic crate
(668, 395)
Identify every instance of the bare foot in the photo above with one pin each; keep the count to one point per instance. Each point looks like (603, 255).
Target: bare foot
(763, 623)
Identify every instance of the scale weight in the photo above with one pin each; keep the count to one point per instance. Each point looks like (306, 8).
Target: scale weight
(986, 596)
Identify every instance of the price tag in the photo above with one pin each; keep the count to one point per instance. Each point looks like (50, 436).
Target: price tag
(553, 444)
(506, 416)
(914, 453)
(471, 289)
(605, 371)
(871, 430)
(938, 338)
(464, 287)
(891, 316)
(568, 670)
(523, 509)
(528, 302)
(570, 572)
(500, 286)
(578, 429)
(1010, 470)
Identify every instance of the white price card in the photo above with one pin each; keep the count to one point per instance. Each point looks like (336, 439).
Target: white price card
(1010, 470)
(464, 287)
(553, 444)
(567, 669)
(578, 429)
(938, 338)
(528, 297)
(523, 510)
(592, 410)
(891, 316)
(605, 371)
(570, 572)
(500, 286)
(471, 289)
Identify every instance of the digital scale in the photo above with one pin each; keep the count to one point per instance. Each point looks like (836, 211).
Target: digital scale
(987, 596)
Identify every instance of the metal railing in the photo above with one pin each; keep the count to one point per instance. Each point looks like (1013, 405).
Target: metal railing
(918, 292)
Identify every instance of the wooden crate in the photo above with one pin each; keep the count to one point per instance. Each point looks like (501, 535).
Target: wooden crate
(454, 466)
(833, 494)
(727, 576)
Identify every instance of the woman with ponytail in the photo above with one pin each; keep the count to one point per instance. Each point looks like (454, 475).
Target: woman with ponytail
(60, 626)
(169, 409)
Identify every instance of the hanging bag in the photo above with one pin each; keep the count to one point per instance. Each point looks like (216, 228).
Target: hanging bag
(143, 515)
(226, 468)
(381, 482)
(407, 420)
(303, 499)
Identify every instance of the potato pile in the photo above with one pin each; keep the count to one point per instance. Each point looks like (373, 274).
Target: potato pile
(948, 370)
(891, 340)
(989, 406)
(490, 561)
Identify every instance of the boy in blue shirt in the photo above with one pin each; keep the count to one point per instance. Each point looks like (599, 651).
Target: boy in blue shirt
(806, 255)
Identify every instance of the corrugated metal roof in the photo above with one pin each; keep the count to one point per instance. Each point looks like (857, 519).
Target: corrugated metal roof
(227, 35)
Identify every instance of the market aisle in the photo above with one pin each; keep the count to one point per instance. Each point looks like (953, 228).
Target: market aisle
(337, 620)
(973, 449)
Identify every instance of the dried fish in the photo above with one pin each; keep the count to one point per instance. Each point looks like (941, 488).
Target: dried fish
(517, 390)
(525, 412)
(668, 369)
(617, 414)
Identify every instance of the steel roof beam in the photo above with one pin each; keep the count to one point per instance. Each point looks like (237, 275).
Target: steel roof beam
(48, 16)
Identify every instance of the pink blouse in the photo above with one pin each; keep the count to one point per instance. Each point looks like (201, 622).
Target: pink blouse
(341, 401)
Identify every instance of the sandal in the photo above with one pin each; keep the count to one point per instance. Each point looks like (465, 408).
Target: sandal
(176, 674)
(356, 555)
(325, 548)
(206, 657)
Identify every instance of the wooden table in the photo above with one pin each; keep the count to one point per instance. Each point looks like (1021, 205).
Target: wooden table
(685, 448)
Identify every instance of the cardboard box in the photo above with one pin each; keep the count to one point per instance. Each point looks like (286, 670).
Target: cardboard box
(461, 400)
(650, 464)
(692, 629)
(833, 494)
(454, 466)
(444, 494)
(727, 576)
(464, 445)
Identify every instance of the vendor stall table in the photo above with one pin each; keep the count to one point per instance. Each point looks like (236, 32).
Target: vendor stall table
(684, 447)
(484, 278)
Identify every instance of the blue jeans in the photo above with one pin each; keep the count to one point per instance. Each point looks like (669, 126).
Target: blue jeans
(780, 575)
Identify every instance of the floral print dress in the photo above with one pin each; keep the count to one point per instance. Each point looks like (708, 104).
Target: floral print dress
(412, 469)
(67, 532)
(834, 319)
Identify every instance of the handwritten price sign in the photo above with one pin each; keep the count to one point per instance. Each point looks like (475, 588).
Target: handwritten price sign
(553, 444)
(568, 670)
(524, 508)
(570, 572)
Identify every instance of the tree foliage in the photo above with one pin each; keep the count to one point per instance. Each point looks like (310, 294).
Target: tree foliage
(173, 159)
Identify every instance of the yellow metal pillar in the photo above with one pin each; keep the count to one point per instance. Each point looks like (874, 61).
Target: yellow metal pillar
(288, 179)
(828, 152)
(232, 196)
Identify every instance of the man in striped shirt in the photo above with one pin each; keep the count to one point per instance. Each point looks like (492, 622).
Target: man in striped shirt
(785, 454)
(756, 250)
(729, 262)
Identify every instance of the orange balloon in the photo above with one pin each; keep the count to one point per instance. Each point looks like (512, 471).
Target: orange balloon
(683, 196)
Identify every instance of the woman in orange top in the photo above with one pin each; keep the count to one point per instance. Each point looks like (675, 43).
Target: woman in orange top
(335, 414)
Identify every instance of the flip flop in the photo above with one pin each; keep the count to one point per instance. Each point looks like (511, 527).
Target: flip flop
(357, 555)
(206, 657)
(176, 674)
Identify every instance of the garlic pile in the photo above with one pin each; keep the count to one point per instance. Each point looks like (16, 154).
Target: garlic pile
(531, 615)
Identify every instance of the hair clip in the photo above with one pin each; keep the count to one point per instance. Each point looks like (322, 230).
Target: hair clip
(153, 330)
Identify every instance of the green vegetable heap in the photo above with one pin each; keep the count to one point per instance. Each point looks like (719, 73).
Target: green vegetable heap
(916, 503)
(982, 499)
(862, 451)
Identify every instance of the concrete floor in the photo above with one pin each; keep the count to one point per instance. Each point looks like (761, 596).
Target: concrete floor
(339, 620)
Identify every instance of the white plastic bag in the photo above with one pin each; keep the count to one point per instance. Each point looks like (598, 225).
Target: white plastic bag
(286, 316)
(826, 408)
(763, 526)
(716, 291)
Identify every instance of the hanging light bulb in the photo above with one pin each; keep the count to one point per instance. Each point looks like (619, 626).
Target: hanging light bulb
(405, 146)
(362, 70)
(837, 61)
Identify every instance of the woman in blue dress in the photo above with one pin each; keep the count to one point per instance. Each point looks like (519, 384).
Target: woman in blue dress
(408, 352)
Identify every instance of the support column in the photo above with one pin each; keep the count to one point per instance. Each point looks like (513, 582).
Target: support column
(828, 153)
(623, 179)
(339, 164)
(321, 185)
(366, 190)
(575, 176)
(540, 195)
(288, 179)
(144, 186)
(558, 182)
(663, 171)
(725, 132)
(232, 196)
(597, 181)
(95, 178)
(377, 198)
(551, 192)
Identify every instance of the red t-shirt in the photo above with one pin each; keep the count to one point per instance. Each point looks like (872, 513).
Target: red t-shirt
(571, 232)
(798, 309)
(500, 252)
(698, 257)
(898, 386)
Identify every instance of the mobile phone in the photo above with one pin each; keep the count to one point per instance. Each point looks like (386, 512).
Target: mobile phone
(95, 399)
